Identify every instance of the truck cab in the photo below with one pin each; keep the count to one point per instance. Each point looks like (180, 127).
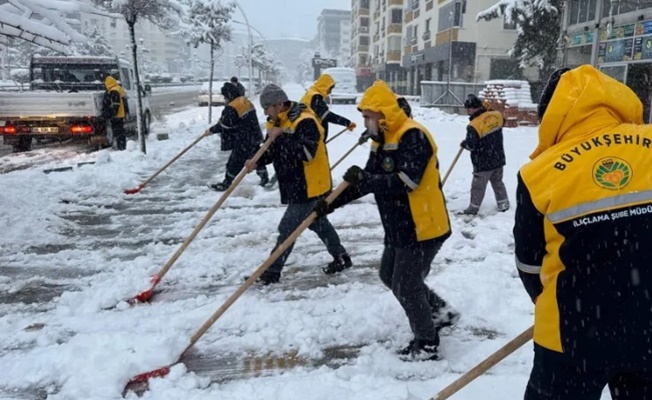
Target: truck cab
(65, 100)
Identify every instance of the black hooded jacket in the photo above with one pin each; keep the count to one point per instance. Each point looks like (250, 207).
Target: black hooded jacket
(238, 126)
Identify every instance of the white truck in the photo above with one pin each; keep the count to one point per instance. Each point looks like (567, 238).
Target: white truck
(65, 102)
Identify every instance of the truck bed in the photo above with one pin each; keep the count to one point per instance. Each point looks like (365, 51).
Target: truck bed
(51, 104)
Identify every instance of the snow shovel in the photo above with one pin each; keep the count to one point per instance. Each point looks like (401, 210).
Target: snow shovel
(337, 134)
(151, 178)
(484, 365)
(450, 169)
(250, 281)
(361, 141)
(147, 294)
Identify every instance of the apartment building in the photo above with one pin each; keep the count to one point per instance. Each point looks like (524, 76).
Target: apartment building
(334, 33)
(360, 43)
(615, 36)
(442, 41)
(386, 38)
(167, 50)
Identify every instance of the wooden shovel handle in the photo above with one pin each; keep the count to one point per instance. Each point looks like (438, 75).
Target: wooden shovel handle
(263, 267)
(484, 365)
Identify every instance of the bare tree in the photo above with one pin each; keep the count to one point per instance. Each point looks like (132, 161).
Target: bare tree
(162, 13)
(208, 23)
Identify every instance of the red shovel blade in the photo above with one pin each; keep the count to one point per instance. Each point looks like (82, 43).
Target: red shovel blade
(148, 375)
(134, 190)
(146, 295)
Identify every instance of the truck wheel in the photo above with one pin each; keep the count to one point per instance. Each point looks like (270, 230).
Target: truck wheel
(24, 144)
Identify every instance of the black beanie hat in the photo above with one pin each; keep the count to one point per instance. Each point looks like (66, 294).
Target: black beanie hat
(472, 101)
(549, 90)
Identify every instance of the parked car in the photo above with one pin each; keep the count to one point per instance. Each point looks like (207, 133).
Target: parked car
(344, 91)
(217, 100)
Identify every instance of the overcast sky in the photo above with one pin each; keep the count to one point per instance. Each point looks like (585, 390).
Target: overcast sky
(279, 18)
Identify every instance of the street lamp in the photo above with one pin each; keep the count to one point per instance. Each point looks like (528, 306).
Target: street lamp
(251, 49)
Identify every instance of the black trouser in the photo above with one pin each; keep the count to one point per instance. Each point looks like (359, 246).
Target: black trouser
(118, 131)
(557, 376)
(237, 161)
(294, 215)
(404, 271)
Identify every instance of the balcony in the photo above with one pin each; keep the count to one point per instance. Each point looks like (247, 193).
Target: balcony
(376, 38)
(395, 28)
(429, 5)
(376, 14)
(394, 56)
(443, 37)
(363, 48)
(412, 40)
(396, 3)
(409, 16)
(363, 12)
(407, 50)
(426, 35)
(363, 29)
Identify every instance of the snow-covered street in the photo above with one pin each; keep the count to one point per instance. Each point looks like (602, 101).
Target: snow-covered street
(74, 247)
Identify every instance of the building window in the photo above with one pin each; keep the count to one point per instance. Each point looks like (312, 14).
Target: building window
(397, 16)
(364, 21)
(428, 24)
(364, 41)
(582, 11)
(415, 4)
(450, 16)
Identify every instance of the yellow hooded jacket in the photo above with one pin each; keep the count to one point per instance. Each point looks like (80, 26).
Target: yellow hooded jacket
(112, 85)
(306, 175)
(419, 213)
(320, 87)
(583, 220)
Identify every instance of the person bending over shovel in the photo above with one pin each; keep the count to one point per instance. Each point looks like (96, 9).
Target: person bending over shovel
(240, 132)
(298, 153)
(402, 172)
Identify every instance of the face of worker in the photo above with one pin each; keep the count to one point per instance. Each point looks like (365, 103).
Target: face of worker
(371, 120)
(273, 111)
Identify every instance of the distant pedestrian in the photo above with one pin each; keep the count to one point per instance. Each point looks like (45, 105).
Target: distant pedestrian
(239, 86)
(484, 139)
(240, 132)
(315, 100)
(116, 110)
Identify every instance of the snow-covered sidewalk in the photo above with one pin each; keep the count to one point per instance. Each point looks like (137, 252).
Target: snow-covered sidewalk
(74, 246)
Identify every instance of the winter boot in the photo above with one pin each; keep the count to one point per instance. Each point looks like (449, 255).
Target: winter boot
(264, 178)
(267, 278)
(503, 205)
(339, 264)
(219, 187)
(470, 210)
(420, 350)
(445, 316)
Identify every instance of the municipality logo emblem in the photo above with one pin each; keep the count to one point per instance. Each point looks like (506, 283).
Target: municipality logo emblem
(612, 173)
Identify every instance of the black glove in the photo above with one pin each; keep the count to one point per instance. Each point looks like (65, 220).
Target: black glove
(354, 175)
(322, 208)
(364, 137)
(463, 145)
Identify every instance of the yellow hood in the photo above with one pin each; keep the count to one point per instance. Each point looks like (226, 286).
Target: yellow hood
(586, 101)
(110, 82)
(380, 98)
(322, 84)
